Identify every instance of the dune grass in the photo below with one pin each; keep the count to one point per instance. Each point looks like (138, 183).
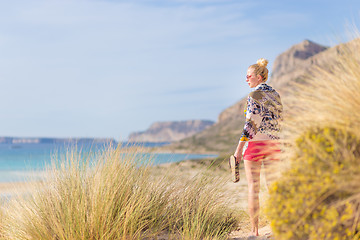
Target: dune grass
(115, 197)
(318, 195)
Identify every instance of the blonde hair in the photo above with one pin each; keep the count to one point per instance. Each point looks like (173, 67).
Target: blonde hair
(260, 68)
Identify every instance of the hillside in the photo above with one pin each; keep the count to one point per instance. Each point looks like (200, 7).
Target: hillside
(170, 131)
(289, 67)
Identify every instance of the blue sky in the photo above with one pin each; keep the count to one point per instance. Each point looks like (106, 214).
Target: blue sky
(96, 68)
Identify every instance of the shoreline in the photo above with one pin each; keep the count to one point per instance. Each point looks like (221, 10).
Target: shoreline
(10, 189)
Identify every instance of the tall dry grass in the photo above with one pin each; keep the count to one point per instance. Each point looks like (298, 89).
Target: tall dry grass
(318, 195)
(329, 94)
(114, 197)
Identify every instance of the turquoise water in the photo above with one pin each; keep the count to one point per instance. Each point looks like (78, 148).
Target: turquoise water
(22, 161)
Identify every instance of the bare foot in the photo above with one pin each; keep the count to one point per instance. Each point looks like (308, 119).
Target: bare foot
(253, 234)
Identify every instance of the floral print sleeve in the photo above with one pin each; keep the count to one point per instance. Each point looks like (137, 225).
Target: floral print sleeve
(252, 119)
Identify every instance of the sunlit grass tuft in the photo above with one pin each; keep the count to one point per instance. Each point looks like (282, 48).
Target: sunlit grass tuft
(318, 195)
(111, 195)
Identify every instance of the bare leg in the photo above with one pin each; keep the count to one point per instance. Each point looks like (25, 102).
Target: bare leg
(252, 170)
(271, 171)
(271, 162)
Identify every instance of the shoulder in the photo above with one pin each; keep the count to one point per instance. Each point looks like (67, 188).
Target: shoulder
(256, 95)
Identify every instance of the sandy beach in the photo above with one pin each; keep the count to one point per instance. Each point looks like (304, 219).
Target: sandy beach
(8, 189)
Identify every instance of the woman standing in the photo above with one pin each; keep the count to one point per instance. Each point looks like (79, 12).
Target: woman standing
(260, 134)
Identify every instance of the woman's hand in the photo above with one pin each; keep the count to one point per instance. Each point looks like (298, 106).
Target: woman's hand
(238, 156)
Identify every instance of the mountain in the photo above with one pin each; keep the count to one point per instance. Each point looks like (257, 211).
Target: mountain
(295, 61)
(170, 131)
(289, 67)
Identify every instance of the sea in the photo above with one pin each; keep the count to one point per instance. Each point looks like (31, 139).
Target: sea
(26, 161)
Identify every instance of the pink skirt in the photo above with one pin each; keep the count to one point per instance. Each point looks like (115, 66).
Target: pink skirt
(262, 150)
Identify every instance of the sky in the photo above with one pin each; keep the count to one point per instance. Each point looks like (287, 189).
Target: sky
(106, 68)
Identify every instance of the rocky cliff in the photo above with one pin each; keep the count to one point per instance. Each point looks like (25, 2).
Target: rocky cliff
(291, 66)
(170, 131)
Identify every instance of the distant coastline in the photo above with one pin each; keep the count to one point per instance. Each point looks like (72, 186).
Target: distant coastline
(81, 141)
(41, 140)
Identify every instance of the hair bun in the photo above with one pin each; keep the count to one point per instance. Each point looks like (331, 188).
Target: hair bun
(262, 62)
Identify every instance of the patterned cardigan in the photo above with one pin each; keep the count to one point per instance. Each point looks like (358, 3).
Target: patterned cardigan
(263, 114)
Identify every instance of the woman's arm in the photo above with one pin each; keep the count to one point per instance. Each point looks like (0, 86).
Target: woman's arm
(238, 151)
(252, 122)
